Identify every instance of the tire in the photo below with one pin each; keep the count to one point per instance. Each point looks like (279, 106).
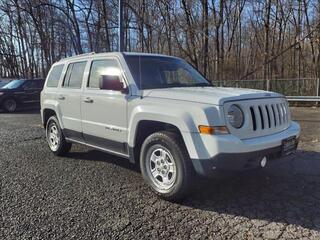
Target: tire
(55, 138)
(166, 166)
(9, 105)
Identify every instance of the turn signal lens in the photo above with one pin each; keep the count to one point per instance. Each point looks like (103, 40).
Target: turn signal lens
(213, 130)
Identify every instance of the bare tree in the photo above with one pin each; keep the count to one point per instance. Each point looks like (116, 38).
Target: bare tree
(223, 39)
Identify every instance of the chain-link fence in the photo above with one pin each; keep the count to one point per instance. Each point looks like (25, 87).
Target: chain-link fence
(302, 88)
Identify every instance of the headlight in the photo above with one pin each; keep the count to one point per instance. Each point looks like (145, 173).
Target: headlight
(235, 116)
(1, 93)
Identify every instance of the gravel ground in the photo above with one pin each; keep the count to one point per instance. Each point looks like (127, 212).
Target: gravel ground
(92, 195)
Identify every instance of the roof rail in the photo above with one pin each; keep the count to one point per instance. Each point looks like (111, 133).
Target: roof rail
(76, 56)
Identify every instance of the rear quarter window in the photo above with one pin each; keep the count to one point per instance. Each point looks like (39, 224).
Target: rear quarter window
(54, 76)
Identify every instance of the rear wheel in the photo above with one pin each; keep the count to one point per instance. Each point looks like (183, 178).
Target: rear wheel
(165, 165)
(9, 105)
(55, 138)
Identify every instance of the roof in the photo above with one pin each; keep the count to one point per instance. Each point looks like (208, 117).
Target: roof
(86, 55)
(146, 54)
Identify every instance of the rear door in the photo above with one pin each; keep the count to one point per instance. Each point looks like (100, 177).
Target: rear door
(104, 112)
(39, 86)
(69, 100)
(32, 90)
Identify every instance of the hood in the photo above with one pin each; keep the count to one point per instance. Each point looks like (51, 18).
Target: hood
(209, 95)
(6, 90)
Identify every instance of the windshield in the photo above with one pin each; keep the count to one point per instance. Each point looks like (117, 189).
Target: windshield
(13, 84)
(163, 72)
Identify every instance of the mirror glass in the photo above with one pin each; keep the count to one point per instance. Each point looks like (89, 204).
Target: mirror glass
(111, 82)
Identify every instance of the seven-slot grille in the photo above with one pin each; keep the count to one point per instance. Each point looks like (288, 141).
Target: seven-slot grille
(268, 116)
(263, 117)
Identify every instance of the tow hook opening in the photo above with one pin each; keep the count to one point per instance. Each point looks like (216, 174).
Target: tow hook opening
(263, 162)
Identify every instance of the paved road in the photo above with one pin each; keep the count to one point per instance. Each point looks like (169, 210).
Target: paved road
(92, 195)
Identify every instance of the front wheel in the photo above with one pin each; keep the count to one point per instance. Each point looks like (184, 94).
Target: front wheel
(55, 138)
(166, 166)
(10, 105)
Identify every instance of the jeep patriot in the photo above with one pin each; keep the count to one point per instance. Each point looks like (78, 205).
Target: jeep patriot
(159, 112)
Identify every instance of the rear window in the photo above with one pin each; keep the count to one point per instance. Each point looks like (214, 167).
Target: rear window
(74, 75)
(54, 76)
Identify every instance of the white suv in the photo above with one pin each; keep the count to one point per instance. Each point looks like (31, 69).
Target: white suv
(158, 111)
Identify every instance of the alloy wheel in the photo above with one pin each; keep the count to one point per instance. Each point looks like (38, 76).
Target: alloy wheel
(161, 169)
(53, 136)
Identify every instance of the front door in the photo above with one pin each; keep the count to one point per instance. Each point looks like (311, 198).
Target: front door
(104, 112)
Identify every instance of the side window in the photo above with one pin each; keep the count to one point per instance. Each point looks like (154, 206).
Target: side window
(30, 84)
(39, 84)
(107, 67)
(74, 75)
(54, 77)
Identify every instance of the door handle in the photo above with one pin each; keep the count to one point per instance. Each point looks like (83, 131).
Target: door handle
(88, 100)
(61, 97)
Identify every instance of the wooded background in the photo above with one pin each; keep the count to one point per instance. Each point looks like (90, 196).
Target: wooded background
(225, 40)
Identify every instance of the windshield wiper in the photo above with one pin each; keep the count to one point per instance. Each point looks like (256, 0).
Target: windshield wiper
(173, 85)
(200, 85)
(176, 85)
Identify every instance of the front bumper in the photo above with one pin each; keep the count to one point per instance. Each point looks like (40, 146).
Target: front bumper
(245, 154)
(237, 161)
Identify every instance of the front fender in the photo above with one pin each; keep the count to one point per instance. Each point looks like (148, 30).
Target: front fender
(179, 118)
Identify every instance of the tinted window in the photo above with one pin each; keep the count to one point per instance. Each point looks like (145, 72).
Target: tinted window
(30, 85)
(108, 67)
(74, 75)
(39, 84)
(54, 77)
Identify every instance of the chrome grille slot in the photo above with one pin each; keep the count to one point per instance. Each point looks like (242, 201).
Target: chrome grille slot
(276, 108)
(261, 117)
(268, 114)
(274, 116)
(284, 107)
(253, 118)
(258, 118)
(264, 117)
(271, 116)
(279, 114)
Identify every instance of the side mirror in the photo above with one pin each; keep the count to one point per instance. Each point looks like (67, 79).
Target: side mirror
(112, 82)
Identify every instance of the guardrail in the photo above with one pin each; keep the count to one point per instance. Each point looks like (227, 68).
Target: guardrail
(303, 98)
(299, 90)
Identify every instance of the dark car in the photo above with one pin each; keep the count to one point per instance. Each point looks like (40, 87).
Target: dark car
(20, 94)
